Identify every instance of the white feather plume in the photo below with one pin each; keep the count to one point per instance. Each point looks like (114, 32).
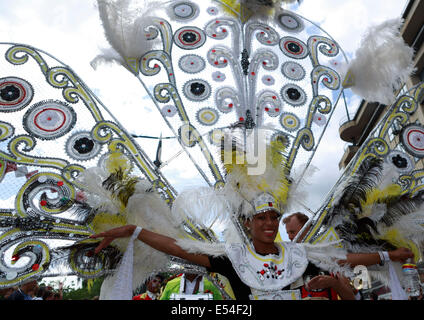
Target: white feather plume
(203, 205)
(124, 24)
(97, 197)
(144, 208)
(149, 210)
(326, 255)
(298, 192)
(382, 64)
(244, 185)
(410, 226)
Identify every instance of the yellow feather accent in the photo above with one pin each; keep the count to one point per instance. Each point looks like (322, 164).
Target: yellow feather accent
(122, 186)
(242, 12)
(274, 180)
(231, 7)
(278, 160)
(395, 238)
(238, 159)
(378, 195)
(105, 221)
(116, 161)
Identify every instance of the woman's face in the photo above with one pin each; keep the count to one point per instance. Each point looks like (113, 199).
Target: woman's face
(264, 226)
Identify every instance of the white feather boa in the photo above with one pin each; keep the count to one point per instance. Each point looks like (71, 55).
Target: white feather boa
(383, 62)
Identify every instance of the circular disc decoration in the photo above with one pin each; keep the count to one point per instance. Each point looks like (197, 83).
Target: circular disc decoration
(400, 160)
(320, 120)
(81, 146)
(412, 138)
(189, 38)
(48, 120)
(289, 121)
(290, 22)
(294, 48)
(213, 11)
(207, 116)
(218, 76)
(293, 95)
(169, 111)
(184, 11)
(293, 71)
(192, 63)
(197, 90)
(15, 94)
(268, 80)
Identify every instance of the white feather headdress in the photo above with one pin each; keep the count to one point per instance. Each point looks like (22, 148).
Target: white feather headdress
(243, 187)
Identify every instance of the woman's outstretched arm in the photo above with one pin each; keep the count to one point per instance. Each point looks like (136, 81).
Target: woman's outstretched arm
(369, 259)
(155, 240)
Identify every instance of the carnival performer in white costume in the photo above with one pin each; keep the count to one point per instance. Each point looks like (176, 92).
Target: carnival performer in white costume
(258, 271)
(108, 197)
(256, 265)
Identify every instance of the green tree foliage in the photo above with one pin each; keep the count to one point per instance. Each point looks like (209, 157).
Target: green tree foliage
(90, 289)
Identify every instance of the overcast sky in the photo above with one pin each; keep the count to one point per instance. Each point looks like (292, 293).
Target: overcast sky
(71, 31)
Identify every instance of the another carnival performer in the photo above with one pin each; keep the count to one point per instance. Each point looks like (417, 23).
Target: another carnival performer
(190, 286)
(153, 289)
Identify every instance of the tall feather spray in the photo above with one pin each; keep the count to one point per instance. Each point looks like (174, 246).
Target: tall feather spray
(383, 62)
(244, 186)
(125, 29)
(253, 9)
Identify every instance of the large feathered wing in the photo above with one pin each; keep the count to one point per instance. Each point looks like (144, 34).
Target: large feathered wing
(377, 205)
(68, 169)
(203, 78)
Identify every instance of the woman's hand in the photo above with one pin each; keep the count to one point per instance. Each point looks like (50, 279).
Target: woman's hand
(338, 283)
(321, 282)
(110, 235)
(401, 255)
